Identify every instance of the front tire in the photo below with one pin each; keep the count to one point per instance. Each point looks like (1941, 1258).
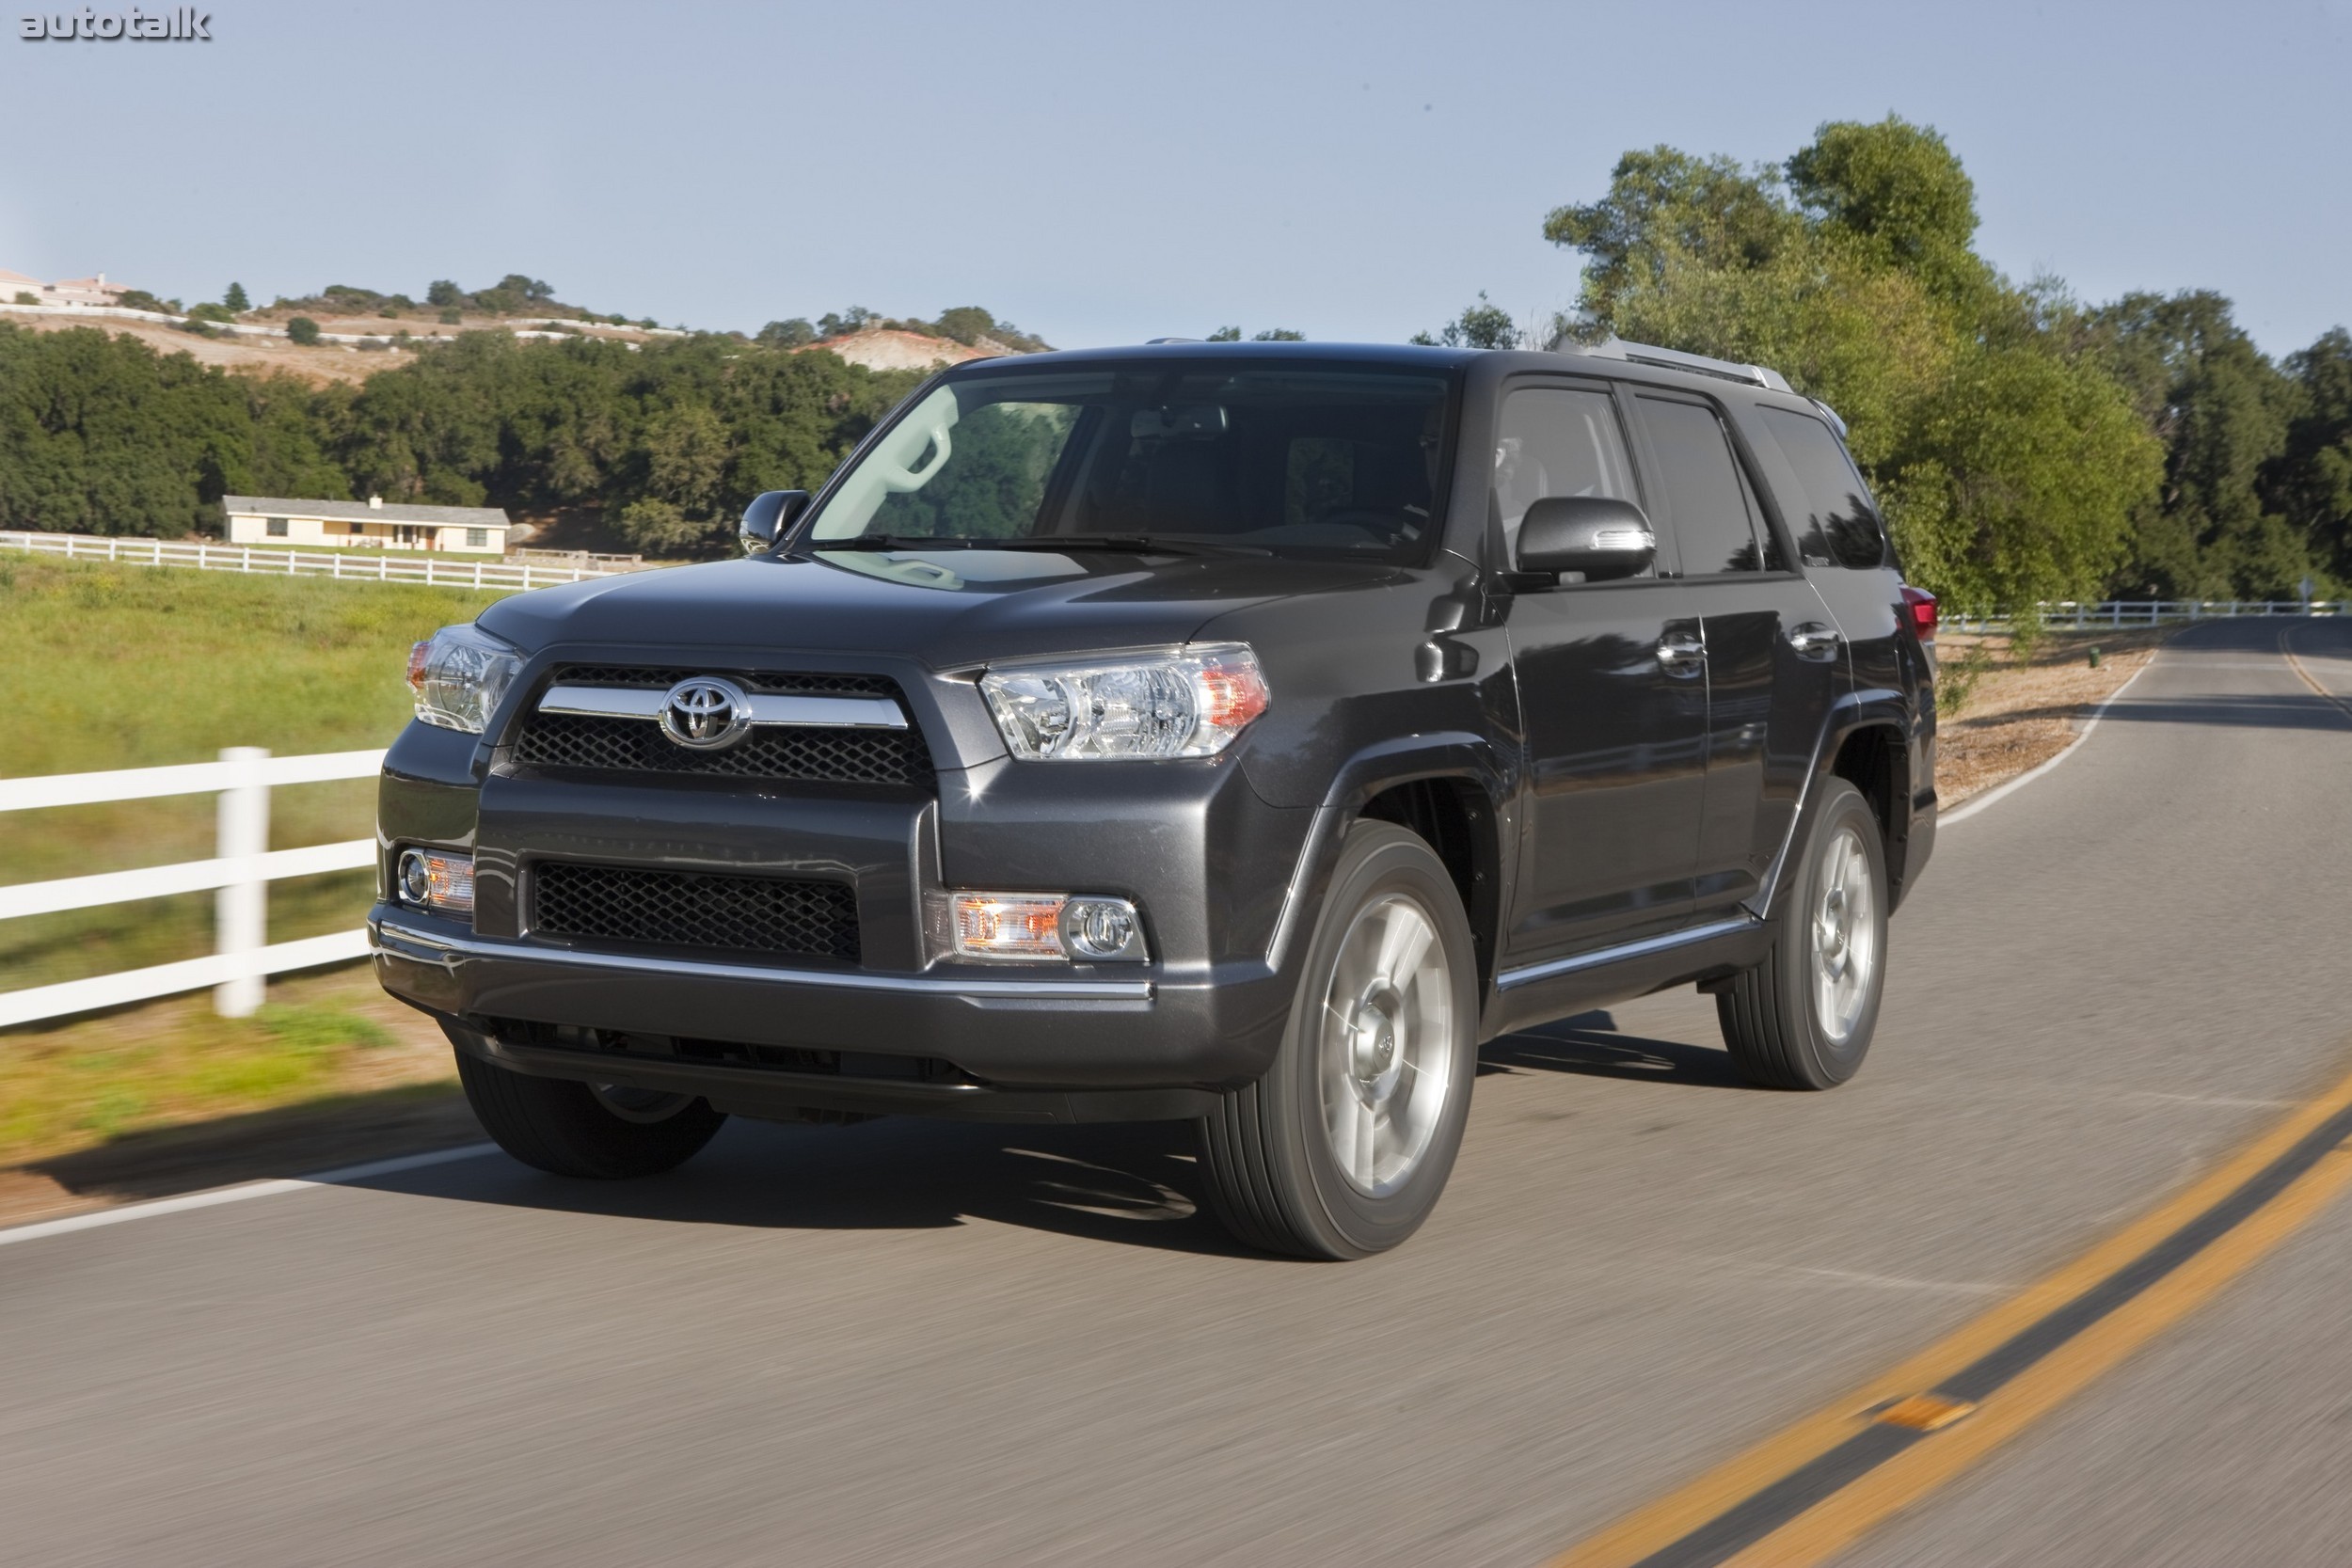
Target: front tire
(604, 1133)
(1343, 1147)
(1802, 1018)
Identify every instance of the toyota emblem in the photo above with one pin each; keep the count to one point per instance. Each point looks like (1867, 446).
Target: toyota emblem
(706, 713)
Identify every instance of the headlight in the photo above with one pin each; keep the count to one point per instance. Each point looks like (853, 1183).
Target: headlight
(1190, 702)
(459, 675)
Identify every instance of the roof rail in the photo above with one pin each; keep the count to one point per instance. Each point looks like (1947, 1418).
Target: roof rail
(1674, 359)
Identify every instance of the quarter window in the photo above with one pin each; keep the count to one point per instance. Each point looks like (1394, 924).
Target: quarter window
(1706, 504)
(1841, 524)
(1556, 441)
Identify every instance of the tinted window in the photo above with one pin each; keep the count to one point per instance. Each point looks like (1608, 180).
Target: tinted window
(1839, 523)
(1324, 462)
(1706, 503)
(1557, 441)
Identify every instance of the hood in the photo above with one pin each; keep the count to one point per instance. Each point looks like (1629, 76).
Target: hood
(943, 607)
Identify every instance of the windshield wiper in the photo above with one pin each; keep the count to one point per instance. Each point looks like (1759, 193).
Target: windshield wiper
(1141, 544)
(898, 542)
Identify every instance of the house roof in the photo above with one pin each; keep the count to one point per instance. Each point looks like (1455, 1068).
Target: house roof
(361, 512)
(16, 280)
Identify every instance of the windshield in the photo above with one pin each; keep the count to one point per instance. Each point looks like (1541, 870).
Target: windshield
(1335, 462)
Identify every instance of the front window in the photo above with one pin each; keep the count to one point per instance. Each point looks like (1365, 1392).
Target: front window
(275, 528)
(1326, 462)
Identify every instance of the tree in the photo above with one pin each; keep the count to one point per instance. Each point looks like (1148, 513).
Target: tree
(1225, 334)
(531, 289)
(235, 299)
(303, 330)
(2221, 410)
(792, 332)
(2311, 480)
(965, 324)
(1278, 335)
(2008, 456)
(1484, 324)
(441, 292)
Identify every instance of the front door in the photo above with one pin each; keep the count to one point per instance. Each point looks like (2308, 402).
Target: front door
(1614, 694)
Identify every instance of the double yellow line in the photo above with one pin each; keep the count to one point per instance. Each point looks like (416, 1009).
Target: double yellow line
(1812, 1489)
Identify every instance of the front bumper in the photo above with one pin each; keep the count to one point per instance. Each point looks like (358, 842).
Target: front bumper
(1084, 1046)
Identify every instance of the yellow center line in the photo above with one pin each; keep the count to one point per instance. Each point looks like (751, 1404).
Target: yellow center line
(1952, 1440)
(2297, 665)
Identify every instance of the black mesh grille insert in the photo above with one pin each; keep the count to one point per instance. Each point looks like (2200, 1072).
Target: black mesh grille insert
(692, 909)
(769, 751)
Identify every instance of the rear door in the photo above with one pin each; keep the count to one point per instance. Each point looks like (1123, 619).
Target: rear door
(1614, 695)
(1773, 658)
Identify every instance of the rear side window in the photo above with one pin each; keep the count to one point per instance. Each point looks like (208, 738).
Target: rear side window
(1839, 525)
(1707, 502)
(1557, 441)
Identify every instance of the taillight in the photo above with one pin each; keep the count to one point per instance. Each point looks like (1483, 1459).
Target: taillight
(1921, 604)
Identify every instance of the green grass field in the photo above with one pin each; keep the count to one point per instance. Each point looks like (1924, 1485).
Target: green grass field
(137, 666)
(114, 667)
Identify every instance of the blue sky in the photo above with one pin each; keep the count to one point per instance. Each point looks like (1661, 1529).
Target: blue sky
(1106, 172)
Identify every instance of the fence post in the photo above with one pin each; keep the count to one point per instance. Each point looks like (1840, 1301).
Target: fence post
(241, 909)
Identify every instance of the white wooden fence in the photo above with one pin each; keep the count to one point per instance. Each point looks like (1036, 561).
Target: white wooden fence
(372, 565)
(2070, 616)
(239, 873)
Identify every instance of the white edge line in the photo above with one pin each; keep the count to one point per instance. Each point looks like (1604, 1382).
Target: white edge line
(240, 1194)
(1969, 808)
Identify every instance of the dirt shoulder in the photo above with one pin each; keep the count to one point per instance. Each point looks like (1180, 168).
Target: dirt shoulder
(2015, 713)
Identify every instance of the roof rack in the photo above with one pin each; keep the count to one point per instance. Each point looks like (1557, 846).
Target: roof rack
(1674, 359)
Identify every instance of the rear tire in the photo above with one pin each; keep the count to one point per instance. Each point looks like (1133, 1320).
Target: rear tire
(1343, 1147)
(568, 1129)
(1803, 1018)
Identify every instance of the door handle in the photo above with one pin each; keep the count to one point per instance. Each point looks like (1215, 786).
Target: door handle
(1815, 641)
(1681, 656)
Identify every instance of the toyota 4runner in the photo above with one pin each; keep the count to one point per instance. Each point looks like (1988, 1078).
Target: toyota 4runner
(1238, 734)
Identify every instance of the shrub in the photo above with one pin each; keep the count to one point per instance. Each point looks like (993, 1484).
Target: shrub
(450, 316)
(25, 296)
(303, 330)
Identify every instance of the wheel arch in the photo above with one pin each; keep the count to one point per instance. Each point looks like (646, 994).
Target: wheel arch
(1450, 789)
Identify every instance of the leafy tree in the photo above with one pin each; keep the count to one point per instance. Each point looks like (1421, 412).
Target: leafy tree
(2221, 410)
(830, 325)
(792, 332)
(529, 289)
(965, 324)
(2010, 459)
(2311, 480)
(1278, 335)
(303, 330)
(444, 294)
(139, 299)
(1484, 324)
(235, 299)
(1225, 335)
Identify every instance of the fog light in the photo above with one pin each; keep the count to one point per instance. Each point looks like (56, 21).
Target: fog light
(1045, 927)
(435, 881)
(1104, 929)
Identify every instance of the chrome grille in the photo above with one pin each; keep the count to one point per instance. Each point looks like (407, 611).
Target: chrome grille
(711, 910)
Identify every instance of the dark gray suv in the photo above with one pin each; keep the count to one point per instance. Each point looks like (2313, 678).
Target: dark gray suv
(1239, 733)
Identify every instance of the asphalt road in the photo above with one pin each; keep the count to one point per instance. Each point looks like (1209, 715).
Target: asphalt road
(914, 1343)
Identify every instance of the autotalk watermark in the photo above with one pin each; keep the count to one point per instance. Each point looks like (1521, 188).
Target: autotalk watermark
(183, 23)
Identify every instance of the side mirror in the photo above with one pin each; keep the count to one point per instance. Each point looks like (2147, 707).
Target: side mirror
(1599, 536)
(768, 517)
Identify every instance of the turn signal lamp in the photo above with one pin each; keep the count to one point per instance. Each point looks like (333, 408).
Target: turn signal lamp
(1049, 926)
(436, 881)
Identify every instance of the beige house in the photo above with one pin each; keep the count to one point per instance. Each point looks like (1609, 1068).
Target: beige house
(371, 523)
